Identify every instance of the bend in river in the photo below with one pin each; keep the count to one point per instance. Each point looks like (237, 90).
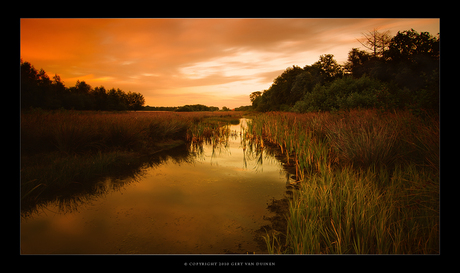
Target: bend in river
(210, 199)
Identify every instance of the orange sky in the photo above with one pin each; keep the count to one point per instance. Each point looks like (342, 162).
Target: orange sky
(173, 62)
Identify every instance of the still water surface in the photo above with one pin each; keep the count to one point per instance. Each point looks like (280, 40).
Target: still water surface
(208, 202)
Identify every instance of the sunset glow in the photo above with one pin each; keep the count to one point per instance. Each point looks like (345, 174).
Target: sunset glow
(173, 62)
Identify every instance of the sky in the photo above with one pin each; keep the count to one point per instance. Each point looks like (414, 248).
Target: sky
(174, 62)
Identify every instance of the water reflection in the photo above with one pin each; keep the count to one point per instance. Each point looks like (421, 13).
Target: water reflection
(69, 199)
(208, 198)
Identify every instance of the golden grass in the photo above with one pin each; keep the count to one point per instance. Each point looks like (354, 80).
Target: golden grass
(369, 181)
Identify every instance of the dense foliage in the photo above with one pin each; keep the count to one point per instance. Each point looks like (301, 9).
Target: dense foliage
(398, 73)
(39, 91)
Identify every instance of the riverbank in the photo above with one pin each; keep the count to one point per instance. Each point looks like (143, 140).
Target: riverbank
(368, 181)
(63, 148)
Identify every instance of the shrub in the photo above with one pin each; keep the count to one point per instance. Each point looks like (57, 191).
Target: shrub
(342, 94)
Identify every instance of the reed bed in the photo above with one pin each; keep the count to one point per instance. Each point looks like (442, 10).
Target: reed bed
(71, 132)
(59, 148)
(368, 181)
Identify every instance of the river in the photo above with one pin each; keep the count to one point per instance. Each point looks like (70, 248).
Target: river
(208, 200)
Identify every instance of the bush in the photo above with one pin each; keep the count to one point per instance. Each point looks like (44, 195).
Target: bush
(343, 94)
(300, 107)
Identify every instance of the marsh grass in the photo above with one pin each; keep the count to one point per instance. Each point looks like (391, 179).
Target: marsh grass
(345, 212)
(369, 181)
(63, 148)
(71, 132)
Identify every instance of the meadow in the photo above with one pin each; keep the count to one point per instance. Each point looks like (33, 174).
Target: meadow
(368, 181)
(61, 149)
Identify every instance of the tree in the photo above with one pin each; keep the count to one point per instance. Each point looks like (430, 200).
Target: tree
(356, 62)
(328, 67)
(43, 80)
(135, 100)
(29, 83)
(257, 101)
(376, 42)
(411, 46)
(255, 95)
(117, 99)
(303, 84)
(414, 58)
(82, 87)
(196, 107)
(58, 84)
(101, 98)
(38, 90)
(280, 90)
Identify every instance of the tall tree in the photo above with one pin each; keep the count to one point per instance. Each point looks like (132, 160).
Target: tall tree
(282, 86)
(101, 98)
(29, 79)
(254, 95)
(376, 42)
(256, 99)
(82, 87)
(328, 67)
(410, 45)
(135, 100)
(356, 61)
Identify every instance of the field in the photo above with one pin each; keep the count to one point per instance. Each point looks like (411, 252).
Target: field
(368, 181)
(60, 149)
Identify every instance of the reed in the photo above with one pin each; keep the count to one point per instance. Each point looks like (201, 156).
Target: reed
(71, 132)
(369, 181)
(59, 148)
(346, 212)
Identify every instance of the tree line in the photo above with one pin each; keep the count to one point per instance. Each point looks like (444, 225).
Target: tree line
(185, 108)
(39, 91)
(400, 72)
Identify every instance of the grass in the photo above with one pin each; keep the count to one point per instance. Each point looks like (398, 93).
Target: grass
(61, 148)
(346, 212)
(369, 181)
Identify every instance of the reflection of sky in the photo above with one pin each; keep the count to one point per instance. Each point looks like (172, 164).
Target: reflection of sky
(206, 206)
(233, 155)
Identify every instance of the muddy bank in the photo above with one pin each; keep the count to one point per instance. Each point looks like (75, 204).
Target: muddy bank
(278, 223)
(279, 208)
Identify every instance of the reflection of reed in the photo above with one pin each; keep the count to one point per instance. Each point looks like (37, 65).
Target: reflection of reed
(215, 135)
(70, 198)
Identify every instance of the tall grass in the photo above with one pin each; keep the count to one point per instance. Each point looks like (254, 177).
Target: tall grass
(369, 181)
(59, 148)
(72, 132)
(346, 211)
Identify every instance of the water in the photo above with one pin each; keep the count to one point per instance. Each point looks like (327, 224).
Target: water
(208, 202)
